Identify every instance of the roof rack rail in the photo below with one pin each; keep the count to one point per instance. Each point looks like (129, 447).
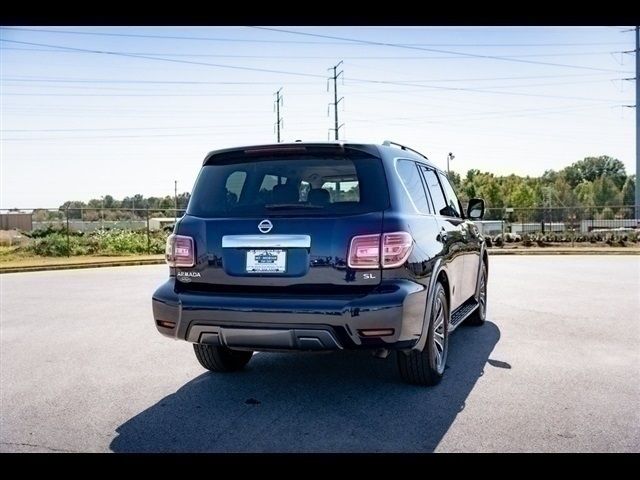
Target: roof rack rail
(403, 147)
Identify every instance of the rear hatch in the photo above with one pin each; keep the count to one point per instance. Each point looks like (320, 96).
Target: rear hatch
(280, 219)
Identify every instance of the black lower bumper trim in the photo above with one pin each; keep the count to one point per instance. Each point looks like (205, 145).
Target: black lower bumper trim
(264, 338)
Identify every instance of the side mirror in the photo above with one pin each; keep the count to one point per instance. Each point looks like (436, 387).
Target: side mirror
(475, 209)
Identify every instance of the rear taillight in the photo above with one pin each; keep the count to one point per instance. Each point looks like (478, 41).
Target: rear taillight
(180, 251)
(364, 250)
(396, 247)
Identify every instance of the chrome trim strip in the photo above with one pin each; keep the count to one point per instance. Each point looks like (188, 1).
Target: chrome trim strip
(266, 241)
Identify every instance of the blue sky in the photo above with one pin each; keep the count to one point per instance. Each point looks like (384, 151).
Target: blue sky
(79, 125)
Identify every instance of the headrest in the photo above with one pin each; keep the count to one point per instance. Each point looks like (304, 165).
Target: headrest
(319, 196)
(287, 193)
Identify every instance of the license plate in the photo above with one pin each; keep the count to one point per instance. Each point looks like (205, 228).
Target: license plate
(266, 261)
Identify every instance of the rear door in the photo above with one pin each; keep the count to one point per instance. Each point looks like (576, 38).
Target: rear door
(267, 219)
(471, 245)
(452, 236)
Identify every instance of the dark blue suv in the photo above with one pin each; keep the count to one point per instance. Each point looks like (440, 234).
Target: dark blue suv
(323, 246)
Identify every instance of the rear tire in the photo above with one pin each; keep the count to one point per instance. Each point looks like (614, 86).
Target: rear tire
(426, 367)
(479, 315)
(221, 359)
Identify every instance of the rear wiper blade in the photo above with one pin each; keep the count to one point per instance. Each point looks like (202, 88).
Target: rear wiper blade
(286, 206)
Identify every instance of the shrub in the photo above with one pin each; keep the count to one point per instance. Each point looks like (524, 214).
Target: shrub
(45, 232)
(121, 242)
(52, 242)
(58, 245)
(118, 242)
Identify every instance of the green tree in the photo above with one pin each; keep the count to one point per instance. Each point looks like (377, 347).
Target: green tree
(74, 207)
(628, 191)
(605, 192)
(592, 168)
(563, 194)
(549, 176)
(109, 201)
(584, 193)
(455, 180)
(522, 197)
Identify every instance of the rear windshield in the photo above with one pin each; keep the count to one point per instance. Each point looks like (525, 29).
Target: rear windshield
(291, 185)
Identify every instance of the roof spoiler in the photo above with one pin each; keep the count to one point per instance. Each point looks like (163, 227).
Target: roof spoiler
(287, 149)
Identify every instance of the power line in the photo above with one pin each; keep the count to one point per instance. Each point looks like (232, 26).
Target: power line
(451, 52)
(474, 116)
(159, 82)
(190, 62)
(324, 57)
(479, 90)
(169, 37)
(132, 94)
(198, 82)
(37, 130)
(243, 94)
(384, 82)
(243, 40)
(309, 74)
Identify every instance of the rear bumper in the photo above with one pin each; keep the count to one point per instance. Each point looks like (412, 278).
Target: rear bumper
(293, 322)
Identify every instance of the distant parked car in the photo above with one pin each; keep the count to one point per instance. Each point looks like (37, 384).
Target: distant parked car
(323, 246)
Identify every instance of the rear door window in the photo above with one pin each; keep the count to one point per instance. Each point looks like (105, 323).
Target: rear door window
(435, 191)
(410, 176)
(452, 200)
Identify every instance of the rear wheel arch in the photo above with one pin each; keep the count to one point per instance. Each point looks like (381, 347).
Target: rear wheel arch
(485, 260)
(439, 275)
(444, 280)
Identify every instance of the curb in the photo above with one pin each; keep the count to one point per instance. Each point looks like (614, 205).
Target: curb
(75, 266)
(160, 261)
(562, 252)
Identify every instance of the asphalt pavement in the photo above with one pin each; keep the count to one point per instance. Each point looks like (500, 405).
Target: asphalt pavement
(556, 368)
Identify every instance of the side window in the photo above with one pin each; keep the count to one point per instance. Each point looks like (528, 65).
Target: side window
(450, 193)
(234, 185)
(410, 177)
(437, 195)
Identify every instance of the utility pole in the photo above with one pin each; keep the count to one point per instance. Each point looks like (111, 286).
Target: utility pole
(336, 74)
(175, 193)
(451, 156)
(637, 197)
(277, 109)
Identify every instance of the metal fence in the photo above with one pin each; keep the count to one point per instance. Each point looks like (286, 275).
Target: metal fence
(561, 220)
(154, 224)
(88, 224)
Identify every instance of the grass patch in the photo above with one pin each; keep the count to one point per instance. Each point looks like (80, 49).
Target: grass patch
(35, 261)
(53, 242)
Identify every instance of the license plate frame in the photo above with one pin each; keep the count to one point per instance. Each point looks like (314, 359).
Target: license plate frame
(266, 261)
